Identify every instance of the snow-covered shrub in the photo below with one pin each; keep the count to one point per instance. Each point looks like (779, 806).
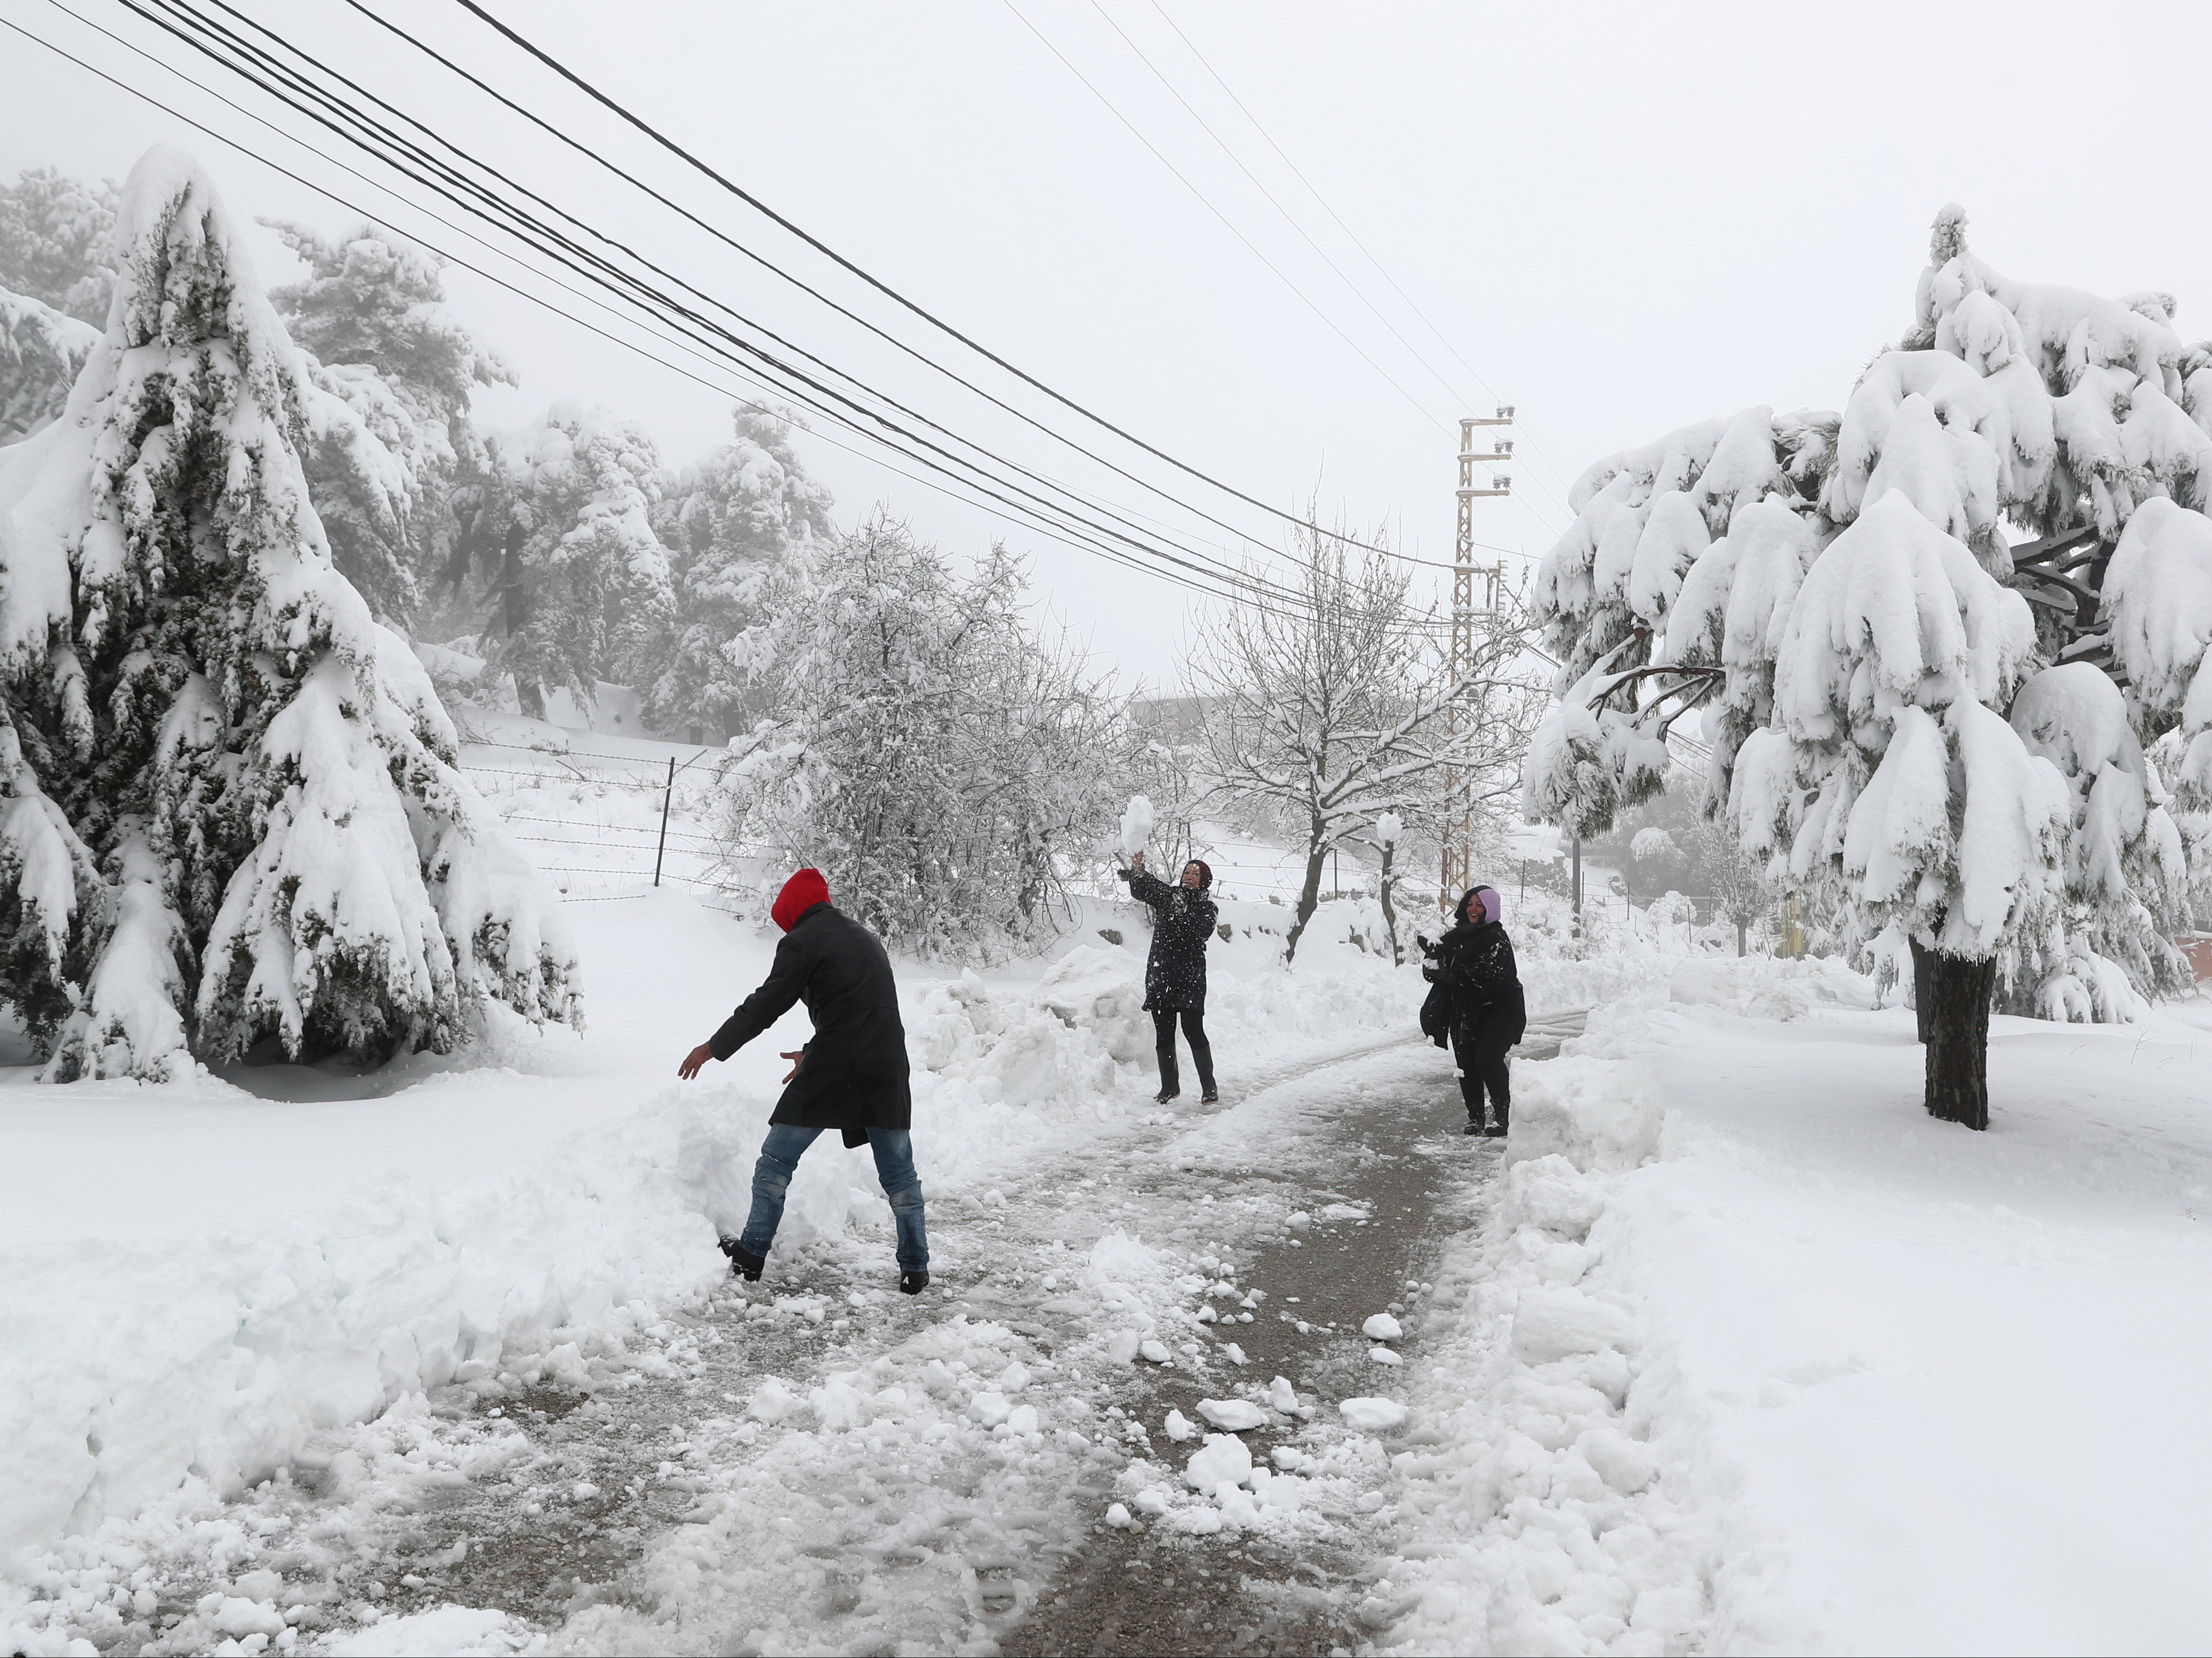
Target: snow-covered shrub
(947, 770)
(1903, 720)
(231, 802)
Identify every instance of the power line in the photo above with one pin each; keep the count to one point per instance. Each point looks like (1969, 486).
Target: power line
(1222, 144)
(1314, 191)
(802, 286)
(883, 287)
(532, 234)
(953, 488)
(805, 287)
(1204, 201)
(1244, 586)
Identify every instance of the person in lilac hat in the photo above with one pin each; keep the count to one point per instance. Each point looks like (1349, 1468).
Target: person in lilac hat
(1483, 1001)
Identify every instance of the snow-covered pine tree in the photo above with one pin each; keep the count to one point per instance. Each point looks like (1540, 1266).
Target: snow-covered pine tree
(56, 241)
(1897, 724)
(575, 583)
(730, 524)
(240, 788)
(398, 368)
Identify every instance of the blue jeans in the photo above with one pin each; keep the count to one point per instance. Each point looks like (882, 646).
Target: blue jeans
(779, 1162)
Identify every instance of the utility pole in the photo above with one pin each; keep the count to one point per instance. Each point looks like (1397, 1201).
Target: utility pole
(1458, 872)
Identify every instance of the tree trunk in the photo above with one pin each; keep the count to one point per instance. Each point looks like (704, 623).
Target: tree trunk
(1743, 937)
(1921, 957)
(1389, 915)
(1954, 1011)
(1309, 894)
(530, 697)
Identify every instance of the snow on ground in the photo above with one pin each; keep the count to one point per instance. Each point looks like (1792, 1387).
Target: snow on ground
(1824, 1374)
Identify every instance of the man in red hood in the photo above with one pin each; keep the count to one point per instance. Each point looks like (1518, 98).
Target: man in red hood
(852, 1076)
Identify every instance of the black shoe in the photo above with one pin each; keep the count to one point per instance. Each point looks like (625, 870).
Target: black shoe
(1211, 1097)
(1495, 1131)
(1164, 1096)
(1472, 1129)
(743, 1263)
(913, 1283)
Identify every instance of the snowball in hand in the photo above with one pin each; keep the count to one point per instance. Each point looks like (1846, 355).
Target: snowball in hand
(1136, 825)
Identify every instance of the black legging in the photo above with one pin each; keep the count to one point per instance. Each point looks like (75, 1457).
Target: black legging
(1201, 1051)
(1482, 1058)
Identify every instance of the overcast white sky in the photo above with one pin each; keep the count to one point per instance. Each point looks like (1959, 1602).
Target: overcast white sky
(1623, 217)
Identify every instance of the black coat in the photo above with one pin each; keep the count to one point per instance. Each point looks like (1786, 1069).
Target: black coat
(1183, 920)
(854, 1076)
(1479, 987)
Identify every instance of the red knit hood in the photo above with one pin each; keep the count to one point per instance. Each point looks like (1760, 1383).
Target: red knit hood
(800, 894)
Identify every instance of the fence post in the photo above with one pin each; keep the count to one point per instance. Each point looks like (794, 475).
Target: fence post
(668, 790)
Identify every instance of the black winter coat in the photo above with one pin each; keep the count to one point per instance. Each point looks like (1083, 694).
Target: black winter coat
(1480, 986)
(854, 1076)
(1183, 920)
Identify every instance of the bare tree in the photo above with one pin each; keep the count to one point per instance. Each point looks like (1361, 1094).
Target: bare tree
(1327, 706)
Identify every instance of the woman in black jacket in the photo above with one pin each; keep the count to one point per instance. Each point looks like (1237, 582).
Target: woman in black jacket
(1175, 972)
(1481, 990)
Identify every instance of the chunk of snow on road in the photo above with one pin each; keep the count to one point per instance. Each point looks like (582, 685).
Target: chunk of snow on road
(1155, 1351)
(1370, 1415)
(1382, 1327)
(1118, 1516)
(1282, 1395)
(1224, 1460)
(1236, 1415)
(1383, 1356)
(1180, 1427)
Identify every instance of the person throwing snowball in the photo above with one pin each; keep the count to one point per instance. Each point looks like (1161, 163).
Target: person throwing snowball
(1175, 971)
(1480, 989)
(852, 1076)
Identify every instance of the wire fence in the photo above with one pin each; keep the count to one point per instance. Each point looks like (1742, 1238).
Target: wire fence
(641, 853)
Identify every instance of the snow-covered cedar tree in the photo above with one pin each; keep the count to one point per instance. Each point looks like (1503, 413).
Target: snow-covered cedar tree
(730, 524)
(944, 767)
(1327, 707)
(1934, 636)
(231, 818)
(42, 350)
(570, 583)
(391, 428)
(56, 243)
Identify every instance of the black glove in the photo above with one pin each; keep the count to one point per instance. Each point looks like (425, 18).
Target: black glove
(1124, 873)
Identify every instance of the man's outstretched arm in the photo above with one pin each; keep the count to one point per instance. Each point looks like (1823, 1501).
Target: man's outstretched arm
(775, 998)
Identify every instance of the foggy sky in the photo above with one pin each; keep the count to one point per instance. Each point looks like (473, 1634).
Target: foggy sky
(1624, 217)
